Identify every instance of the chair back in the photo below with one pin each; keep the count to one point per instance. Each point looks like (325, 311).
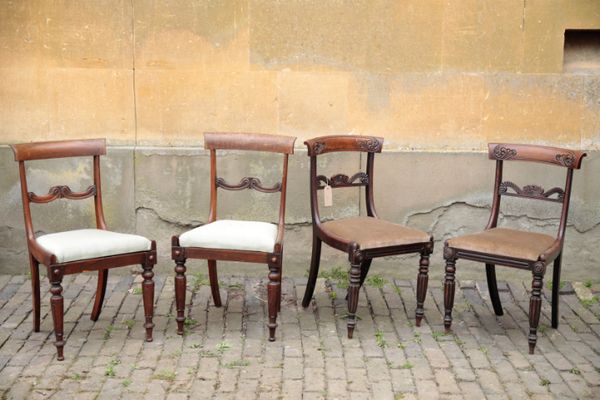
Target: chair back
(214, 141)
(60, 149)
(342, 143)
(569, 159)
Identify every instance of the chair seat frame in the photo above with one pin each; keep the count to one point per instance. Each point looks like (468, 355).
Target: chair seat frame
(360, 259)
(56, 270)
(214, 141)
(502, 152)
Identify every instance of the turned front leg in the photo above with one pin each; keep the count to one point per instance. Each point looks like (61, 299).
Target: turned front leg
(535, 303)
(449, 286)
(274, 291)
(180, 284)
(57, 306)
(353, 288)
(148, 293)
(422, 280)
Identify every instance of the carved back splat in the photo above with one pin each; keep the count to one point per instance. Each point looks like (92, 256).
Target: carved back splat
(341, 180)
(249, 183)
(62, 191)
(532, 192)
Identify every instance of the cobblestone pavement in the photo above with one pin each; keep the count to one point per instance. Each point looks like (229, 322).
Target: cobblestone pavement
(225, 353)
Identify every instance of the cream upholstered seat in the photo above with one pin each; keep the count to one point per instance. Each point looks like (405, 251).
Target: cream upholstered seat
(505, 242)
(371, 233)
(84, 244)
(232, 235)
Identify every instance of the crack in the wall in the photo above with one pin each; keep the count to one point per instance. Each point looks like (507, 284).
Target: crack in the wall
(539, 221)
(192, 224)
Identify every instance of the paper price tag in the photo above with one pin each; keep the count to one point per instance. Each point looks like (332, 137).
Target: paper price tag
(327, 196)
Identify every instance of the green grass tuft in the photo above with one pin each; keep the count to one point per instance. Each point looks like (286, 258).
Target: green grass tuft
(376, 281)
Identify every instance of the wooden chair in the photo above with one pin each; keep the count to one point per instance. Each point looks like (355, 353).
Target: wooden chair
(363, 238)
(79, 250)
(231, 240)
(514, 248)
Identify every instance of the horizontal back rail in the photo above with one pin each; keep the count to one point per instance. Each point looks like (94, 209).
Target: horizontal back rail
(532, 192)
(341, 180)
(542, 154)
(328, 144)
(59, 149)
(249, 183)
(249, 141)
(62, 191)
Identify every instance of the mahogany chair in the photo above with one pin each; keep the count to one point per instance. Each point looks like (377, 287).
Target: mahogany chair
(515, 248)
(75, 251)
(234, 240)
(363, 238)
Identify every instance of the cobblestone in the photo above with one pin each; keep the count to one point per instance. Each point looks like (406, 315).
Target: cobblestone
(225, 354)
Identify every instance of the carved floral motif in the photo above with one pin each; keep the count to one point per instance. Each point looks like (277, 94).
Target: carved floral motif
(567, 160)
(504, 153)
(533, 191)
(371, 144)
(340, 180)
(319, 147)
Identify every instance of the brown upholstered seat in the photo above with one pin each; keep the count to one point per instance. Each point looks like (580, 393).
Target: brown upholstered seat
(505, 242)
(372, 233)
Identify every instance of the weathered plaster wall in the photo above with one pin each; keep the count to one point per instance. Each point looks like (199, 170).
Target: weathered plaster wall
(432, 75)
(439, 77)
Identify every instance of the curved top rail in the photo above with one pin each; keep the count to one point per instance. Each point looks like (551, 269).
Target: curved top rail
(249, 141)
(328, 144)
(58, 149)
(543, 154)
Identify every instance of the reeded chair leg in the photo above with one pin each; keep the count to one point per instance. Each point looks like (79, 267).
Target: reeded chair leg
(148, 293)
(449, 287)
(314, 271)
(214, 282)
(490, 271)
(34, 267)
(422, 280)
(556, 290)
(100, 293)
(57, 306)
(274, 291)
(180, 284)
(535, 303)
(364, 271)
(353, 289)
(280, 286)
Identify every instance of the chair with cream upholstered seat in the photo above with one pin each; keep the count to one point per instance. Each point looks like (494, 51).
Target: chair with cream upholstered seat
(362, 238)
(516, 248)
(83, 249)
(233, 240)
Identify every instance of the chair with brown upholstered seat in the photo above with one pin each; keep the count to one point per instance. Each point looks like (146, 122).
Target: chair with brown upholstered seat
(515, 248)
(232, 240)
(363, 238)
(79, 250)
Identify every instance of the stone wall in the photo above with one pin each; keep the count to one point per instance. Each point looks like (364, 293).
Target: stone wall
(438, 79)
